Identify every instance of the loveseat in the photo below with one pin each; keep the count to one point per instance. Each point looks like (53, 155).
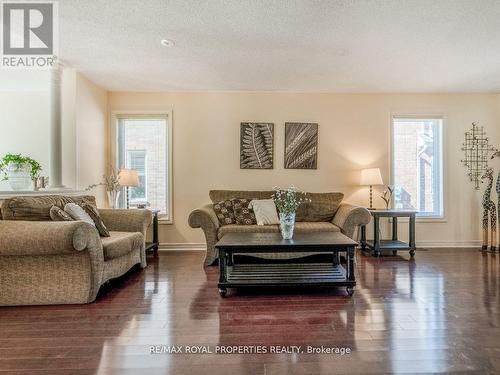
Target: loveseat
(325, 213)
(46, 262)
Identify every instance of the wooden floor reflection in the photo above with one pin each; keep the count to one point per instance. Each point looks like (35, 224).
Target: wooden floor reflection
(439, 313)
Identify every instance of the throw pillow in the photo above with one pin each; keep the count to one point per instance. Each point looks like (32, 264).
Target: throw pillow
(243, 214)
(225, 213)
(56, 214)
(91, 210)
(265, 211)
(78, 213)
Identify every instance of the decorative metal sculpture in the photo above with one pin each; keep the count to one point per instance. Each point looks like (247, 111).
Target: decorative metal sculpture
(477, 149)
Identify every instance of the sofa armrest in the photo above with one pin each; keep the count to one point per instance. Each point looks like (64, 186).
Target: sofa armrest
(126, 220)
(46, 237)
(350, 216)
(206, 219)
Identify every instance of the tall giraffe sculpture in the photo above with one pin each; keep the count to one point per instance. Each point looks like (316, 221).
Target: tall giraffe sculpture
(497, 154)
(489, 208)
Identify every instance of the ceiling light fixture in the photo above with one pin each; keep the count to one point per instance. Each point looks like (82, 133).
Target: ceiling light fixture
(167, 43)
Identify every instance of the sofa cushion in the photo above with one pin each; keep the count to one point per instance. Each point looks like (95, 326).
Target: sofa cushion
(265, 211)
(243, 214)
(225, 212)
(322, 207)
(120, 243)
(78, 213)
(38, 208)
(92, 211)
(56, 214)
(302, 227)
(221, 195)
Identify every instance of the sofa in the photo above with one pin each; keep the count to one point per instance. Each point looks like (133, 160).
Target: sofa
(44, 262)
(325, 213)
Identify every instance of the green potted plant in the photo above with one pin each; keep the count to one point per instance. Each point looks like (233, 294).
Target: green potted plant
(19, 170)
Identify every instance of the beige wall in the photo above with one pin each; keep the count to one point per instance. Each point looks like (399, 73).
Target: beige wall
(91, 136)
(354, 132)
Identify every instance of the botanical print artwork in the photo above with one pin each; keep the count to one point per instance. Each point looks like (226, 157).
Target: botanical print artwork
(301, 145)
(256, 145)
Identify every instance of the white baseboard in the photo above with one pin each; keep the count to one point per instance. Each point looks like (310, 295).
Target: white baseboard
(450, 243)
(433, 244)
(182, 246)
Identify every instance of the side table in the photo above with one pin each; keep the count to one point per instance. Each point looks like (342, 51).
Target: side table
(153, 245)
(377, 244)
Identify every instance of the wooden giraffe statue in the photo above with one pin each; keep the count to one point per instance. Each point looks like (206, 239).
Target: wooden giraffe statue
(489, 208)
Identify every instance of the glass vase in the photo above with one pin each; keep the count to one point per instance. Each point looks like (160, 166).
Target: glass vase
(113, 197)
(19, 176)
(287, 224)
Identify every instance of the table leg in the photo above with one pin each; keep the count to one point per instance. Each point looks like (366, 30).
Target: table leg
(394, 232)
(376, 236)
(363, 237)
(350, 269)
(155, 234)
(222, 271)
(412, 235)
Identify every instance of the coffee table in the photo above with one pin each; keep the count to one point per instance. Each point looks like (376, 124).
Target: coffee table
(233, 275)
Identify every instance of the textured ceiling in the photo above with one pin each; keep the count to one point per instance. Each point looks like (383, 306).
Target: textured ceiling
(286, 45)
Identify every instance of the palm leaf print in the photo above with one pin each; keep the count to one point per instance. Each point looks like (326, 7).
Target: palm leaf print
(256, 145)
(301, 145)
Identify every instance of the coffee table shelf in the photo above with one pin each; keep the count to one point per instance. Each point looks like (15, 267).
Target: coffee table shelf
(290, 274)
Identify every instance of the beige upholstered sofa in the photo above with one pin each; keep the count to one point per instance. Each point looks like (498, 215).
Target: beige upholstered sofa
(325, 213)
(62, 262)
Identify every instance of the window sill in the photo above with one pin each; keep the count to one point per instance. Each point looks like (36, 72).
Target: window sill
(165, 221)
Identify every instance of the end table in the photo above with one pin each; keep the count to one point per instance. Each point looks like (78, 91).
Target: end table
(153, 245)
(377, 244)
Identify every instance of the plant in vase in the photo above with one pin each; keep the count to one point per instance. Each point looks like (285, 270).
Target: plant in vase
(287, 201)
(112, 185)
(19, 170)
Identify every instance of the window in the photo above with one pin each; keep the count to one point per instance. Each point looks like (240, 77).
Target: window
(136, 160)
(143, 144)
(417, 165)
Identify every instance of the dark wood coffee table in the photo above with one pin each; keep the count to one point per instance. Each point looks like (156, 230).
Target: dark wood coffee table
(285, 274)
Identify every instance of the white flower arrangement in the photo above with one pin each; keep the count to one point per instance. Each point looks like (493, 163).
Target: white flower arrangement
(288, 200)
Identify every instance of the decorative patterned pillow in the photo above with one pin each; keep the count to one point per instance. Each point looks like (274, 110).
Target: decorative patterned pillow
(225, 212)
(243, 214)
(56, 214)
(91, 210)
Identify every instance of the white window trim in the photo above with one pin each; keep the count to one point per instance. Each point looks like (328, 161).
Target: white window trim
(115, 116)
(444, 177)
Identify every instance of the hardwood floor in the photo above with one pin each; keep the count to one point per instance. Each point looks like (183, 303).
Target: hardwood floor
(439, 313)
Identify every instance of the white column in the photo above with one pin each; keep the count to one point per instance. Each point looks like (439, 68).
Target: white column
(55, 161)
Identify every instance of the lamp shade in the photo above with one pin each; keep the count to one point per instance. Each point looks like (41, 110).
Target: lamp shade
(371, 176)
(128, 177)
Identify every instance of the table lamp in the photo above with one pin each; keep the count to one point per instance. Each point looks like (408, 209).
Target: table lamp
(128, 178)
(371, 176)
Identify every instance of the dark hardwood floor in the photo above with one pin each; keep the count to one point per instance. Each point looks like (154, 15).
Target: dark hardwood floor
(439, 313)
